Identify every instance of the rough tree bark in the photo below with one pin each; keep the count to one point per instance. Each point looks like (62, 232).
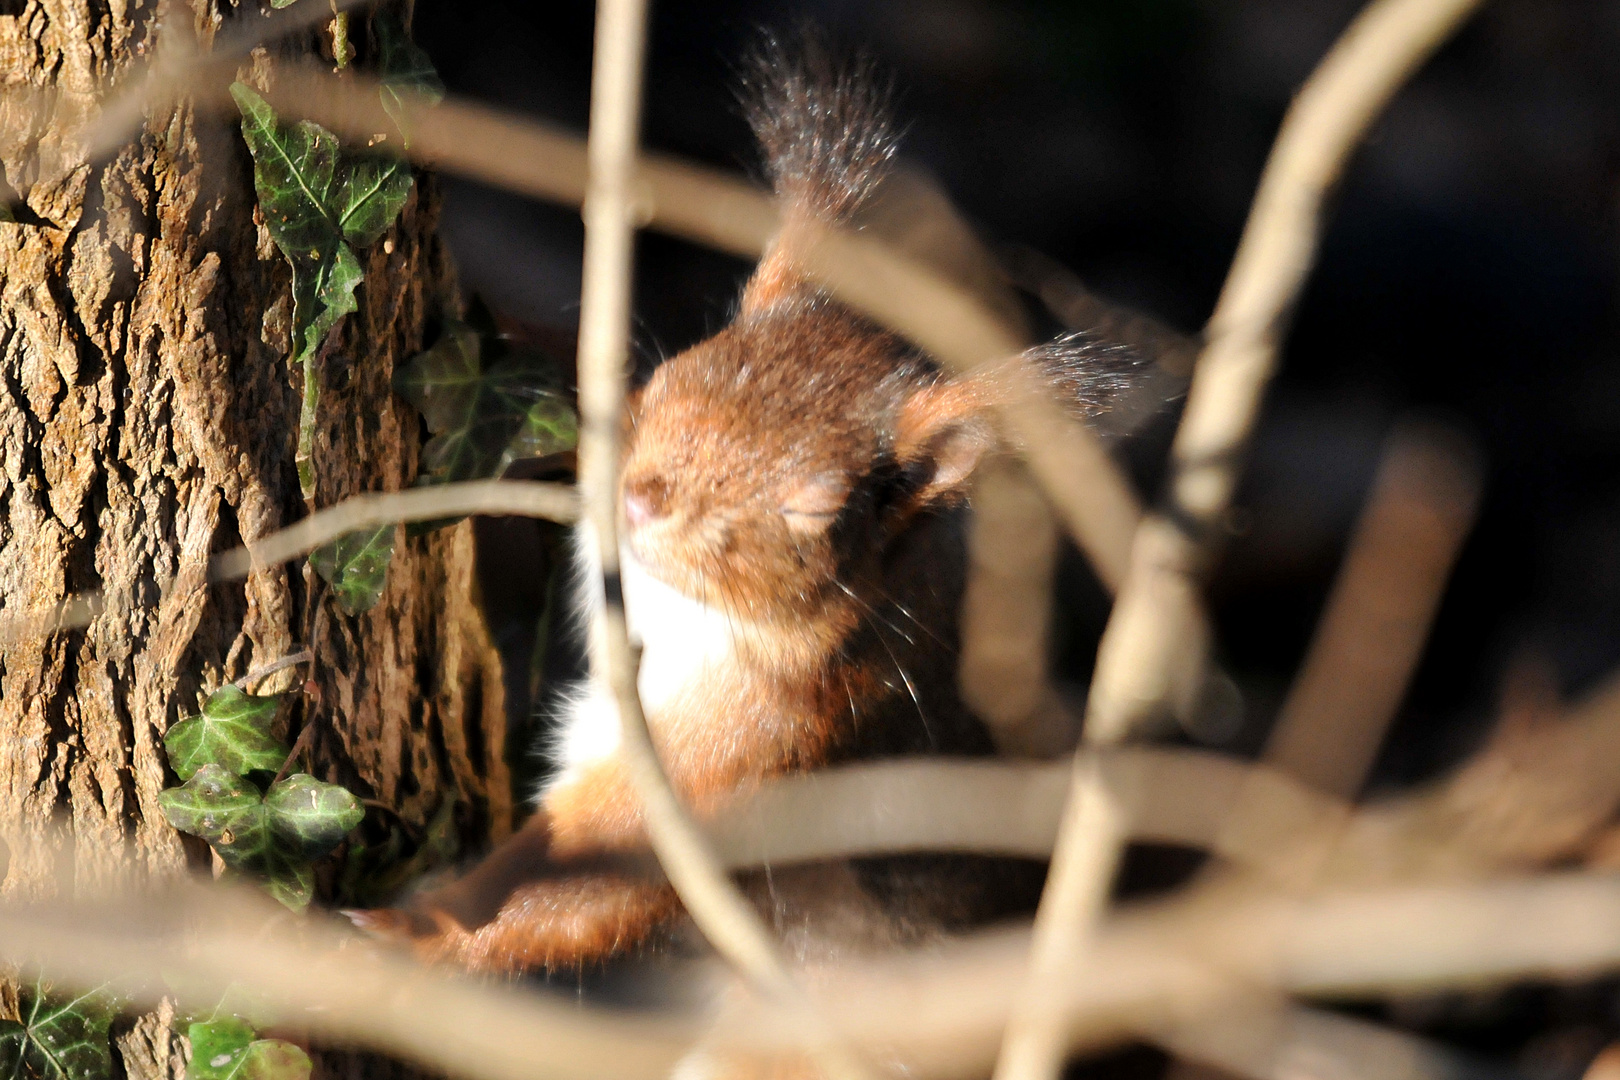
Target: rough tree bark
(147, 416)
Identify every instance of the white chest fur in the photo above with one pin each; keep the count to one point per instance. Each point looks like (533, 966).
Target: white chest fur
(681, 639)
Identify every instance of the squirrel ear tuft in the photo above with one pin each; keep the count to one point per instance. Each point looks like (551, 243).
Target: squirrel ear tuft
(825, 132)
(942, 434)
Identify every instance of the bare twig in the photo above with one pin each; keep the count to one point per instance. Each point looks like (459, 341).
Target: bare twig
(72, 613)
(1377, 617)
(1007, 615)
(1156, 624)
(1167, 796)
(1529, 797)
(264, 671)
(306, 735)
(527, 498)
(941, 1011)
(199, 945)
(700, 879)
(1271, 1040)
(938, 1010)
(1089, 492)
(178, 67)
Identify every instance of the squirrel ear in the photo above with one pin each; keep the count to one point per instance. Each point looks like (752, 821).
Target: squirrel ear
(943, 433)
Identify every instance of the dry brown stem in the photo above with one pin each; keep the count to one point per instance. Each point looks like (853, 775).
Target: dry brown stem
(713, 901)
(1377, 618)
(1157, 627)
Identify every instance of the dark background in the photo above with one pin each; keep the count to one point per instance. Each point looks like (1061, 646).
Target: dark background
(1469, 273)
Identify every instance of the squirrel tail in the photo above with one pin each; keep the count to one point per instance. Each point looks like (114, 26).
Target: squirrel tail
(827, 136)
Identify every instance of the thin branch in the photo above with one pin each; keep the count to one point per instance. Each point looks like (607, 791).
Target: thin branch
(300, 744)
(940, 1010)
(1272, 1040)
(1377, 618)
(937, 1010)
(73, 613)
(525, 498)
(197, 945)
(1529, 797)
(1169, 796)
(1089, 491)
(714, 902)
(264, 671)
(1156, 624)
(177, 67)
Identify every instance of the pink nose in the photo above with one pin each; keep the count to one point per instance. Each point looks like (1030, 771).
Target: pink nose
(638, 509)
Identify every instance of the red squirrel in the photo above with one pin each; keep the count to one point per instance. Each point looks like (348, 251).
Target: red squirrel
(792, 509)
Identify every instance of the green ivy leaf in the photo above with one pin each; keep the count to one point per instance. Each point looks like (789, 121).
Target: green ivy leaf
(218, 1047)
(233, 731)
(223, 809)
(231, 1050)
(58, 1039)
(549, 427)
(408, 77)
(273, 1059)
(312, 816)
(230, 813)
(317, 201)
(356, 566)
(371, 192)
(486, 404)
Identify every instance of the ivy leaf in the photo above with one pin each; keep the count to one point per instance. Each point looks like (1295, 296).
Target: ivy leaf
(291, 883)
(371, 193)
(230, 813)
(223, 809)
(487, 405)
(231, 1050)
(274, 1059)
(549, 427)
(310, 816)
(218, 1047)
(408, 77)
(356, 566)
(233, 731)
(58, 1039)
(317, 201)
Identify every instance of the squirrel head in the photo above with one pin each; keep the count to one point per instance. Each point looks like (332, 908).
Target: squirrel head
(767, 464)
(771, 467)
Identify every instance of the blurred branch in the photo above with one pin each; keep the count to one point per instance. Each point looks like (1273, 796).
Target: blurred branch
(942, 1011)
(1377, 618)
(1272, 1040)
(1167, 796)
(949, 321)
(1532, 795)
(204, 945)
(713, 901)
(939, 1011)
(524, 498)
(1157, 628)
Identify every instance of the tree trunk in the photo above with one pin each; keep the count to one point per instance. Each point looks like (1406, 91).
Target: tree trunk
(147, 420)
